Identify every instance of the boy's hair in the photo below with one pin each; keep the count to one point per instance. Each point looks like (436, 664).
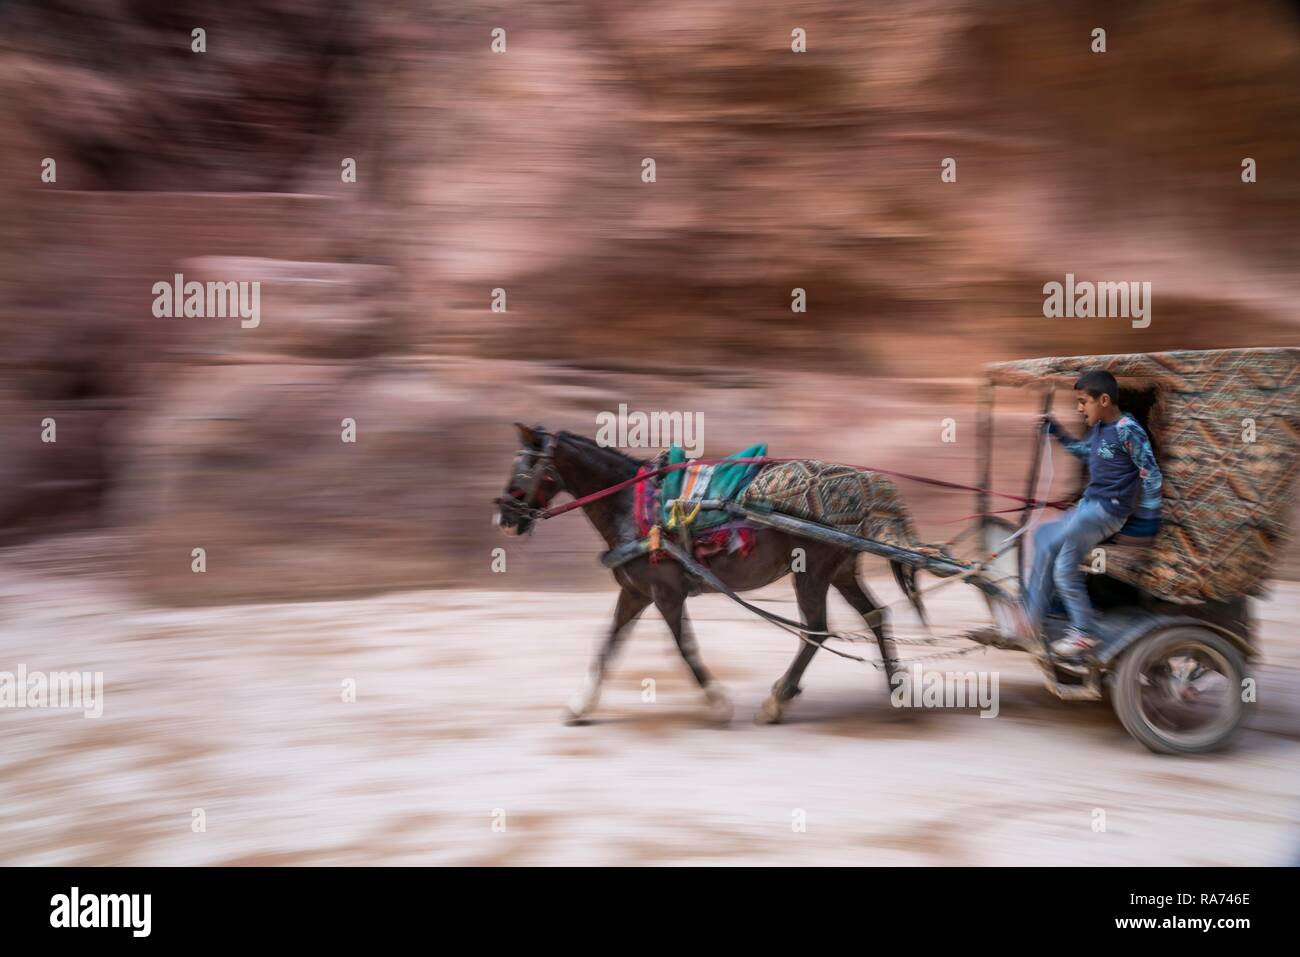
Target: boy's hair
(1099, 382)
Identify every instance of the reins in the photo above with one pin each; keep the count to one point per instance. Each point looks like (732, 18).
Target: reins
(579, 502)
(809, 636)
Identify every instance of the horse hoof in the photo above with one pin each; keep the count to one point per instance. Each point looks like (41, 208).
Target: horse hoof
(572, 717)
(720, 706)
(770, 712)
(576, 711)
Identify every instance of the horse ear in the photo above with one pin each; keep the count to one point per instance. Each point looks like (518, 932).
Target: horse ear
(526, 435)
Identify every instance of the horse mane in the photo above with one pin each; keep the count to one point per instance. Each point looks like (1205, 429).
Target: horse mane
(606, 450)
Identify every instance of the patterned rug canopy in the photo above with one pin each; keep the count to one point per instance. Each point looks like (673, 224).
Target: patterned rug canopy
(1226, 426)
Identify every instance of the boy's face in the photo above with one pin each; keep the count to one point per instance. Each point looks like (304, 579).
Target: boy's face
(1090, 408)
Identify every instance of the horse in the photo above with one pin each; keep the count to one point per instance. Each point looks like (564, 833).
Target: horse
(550, 463)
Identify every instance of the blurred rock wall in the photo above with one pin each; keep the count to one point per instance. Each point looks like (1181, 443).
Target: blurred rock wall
(522, 171)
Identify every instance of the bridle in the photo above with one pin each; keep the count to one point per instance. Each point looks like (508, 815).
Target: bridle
(534, 480)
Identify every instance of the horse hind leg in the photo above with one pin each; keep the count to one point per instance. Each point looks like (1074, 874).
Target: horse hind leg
(856, 594)
(810, 589)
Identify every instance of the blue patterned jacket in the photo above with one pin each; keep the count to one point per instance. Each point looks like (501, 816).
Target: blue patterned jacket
(1123, 476)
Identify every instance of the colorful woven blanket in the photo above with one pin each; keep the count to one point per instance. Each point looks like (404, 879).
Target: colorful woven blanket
(698, 482)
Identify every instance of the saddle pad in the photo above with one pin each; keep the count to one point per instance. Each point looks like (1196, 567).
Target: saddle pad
(722, 481)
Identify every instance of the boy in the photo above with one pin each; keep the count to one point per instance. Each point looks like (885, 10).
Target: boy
(1123, 481)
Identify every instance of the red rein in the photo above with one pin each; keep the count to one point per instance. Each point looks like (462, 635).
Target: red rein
(765, 460)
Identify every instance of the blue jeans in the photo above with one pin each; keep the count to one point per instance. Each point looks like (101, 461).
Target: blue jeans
(1059, 547)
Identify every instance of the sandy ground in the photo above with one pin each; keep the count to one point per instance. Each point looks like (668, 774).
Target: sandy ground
(239, 711)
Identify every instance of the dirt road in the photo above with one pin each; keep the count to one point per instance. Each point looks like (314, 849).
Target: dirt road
(236, 717)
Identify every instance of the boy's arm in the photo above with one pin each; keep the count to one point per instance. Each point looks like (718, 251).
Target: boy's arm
(1138, 447)
(1079, 448)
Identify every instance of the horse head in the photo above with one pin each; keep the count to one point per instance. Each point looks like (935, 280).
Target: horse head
(533, 481)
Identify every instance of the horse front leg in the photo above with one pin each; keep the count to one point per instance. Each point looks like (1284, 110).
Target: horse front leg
(630, 604)
(671, 602)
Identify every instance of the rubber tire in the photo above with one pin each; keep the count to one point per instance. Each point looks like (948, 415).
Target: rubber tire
(1125, 689)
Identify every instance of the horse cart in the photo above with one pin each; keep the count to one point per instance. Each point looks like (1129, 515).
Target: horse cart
(1173, 611)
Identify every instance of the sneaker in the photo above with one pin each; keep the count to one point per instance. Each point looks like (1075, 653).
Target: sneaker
(1075, 644)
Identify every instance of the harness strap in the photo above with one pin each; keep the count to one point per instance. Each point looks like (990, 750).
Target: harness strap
(622, 554)
(794, 627)
(765, 460)
(679, 517)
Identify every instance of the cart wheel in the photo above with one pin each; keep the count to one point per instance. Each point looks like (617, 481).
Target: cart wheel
(1179, 691)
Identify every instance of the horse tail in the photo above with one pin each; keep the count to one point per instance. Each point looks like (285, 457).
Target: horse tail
(905, 575)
